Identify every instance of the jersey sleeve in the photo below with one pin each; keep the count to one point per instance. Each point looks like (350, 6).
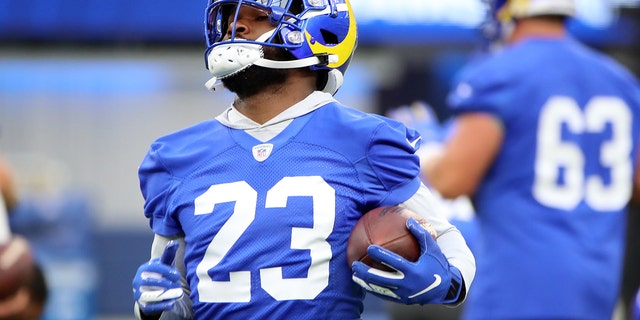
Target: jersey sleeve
(156, 183)
(480, 87)
(395, 166)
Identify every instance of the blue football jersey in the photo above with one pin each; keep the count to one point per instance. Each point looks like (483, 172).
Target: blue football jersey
(266, 224)
(552, 206)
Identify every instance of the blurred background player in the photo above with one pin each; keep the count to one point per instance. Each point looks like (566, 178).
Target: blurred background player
(28, 301)
(58, 220)
(546, 144)
(262, 199)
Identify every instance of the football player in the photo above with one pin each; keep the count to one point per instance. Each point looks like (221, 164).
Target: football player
(28, 301)
(252, 210)
(546, 144)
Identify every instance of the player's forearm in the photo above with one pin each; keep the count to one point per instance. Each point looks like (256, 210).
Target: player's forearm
(459, 255)
(449, 239)
(445, 178)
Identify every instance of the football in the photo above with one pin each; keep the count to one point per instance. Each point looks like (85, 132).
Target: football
(386, 227)
(16, 265)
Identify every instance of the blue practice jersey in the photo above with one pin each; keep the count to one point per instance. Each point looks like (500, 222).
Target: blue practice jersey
(266, 224)
(552, 206)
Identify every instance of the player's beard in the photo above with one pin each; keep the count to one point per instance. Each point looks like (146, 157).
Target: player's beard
(256, 79)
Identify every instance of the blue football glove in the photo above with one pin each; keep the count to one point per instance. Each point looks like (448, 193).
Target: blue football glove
(430, 280)
(156, 285)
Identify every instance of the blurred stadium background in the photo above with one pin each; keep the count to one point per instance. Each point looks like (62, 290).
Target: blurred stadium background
(86, 86)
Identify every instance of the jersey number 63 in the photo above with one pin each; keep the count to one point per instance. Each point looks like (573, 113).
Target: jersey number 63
(560, 178)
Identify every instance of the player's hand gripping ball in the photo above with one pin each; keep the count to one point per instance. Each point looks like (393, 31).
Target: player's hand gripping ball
(386, 227)
(16, 265)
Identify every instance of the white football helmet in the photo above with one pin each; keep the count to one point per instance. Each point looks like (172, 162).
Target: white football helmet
(501, 15)
(505, 10)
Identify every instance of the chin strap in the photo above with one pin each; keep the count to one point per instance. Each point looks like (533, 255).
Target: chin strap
(229, 59)
(292, 64)
(232, 66)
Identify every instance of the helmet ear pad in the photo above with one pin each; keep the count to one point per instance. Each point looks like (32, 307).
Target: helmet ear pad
(334, 79)
(329, 81)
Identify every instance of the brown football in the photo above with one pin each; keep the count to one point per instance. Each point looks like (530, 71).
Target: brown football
(386, 227)
(16, 265)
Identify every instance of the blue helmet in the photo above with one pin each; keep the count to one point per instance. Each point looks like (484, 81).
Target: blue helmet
(319, 34)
